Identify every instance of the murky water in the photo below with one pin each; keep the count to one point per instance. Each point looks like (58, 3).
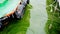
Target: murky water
(38, 17)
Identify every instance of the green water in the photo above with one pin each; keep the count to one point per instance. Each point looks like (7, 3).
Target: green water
(7, 6)
(3, 2)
